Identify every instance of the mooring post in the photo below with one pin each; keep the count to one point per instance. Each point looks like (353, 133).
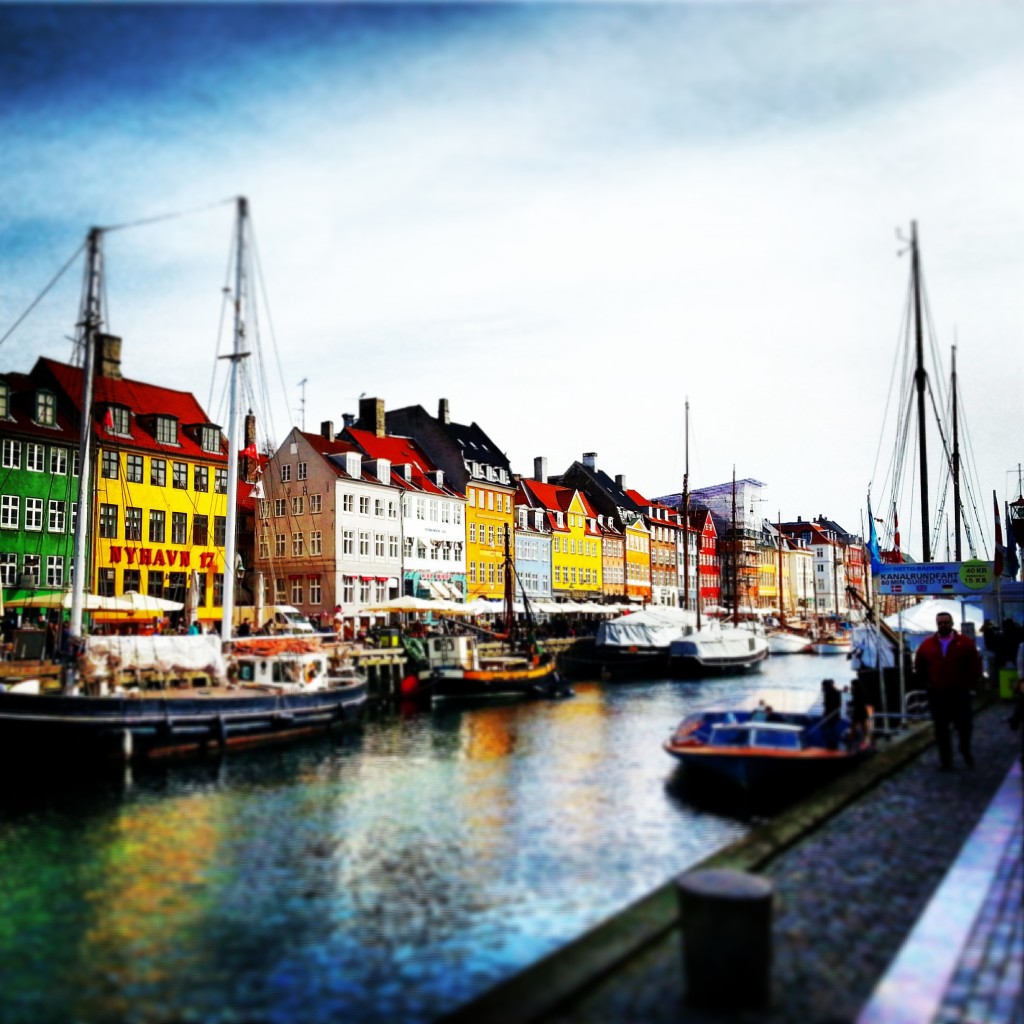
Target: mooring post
(727, 938)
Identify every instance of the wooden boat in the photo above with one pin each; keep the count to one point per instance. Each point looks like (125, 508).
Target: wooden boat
(260, 693)
(452, 668)
(791, 752)
(834, 645)
(785, 641)
(265, 695)
(717, 649)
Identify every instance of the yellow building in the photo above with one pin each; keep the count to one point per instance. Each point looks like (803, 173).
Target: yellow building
(160, 482)
(576, 556)
(489, 513)
(638, 557)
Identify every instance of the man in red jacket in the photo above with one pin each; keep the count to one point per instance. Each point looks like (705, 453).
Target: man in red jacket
(949, 667)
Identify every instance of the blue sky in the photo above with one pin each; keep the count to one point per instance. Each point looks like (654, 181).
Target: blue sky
(562, 218)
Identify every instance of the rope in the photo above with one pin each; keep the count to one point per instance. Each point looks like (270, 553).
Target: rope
(39, 298)
(168, 216)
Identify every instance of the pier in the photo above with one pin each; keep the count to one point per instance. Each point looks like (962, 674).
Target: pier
(897, 898)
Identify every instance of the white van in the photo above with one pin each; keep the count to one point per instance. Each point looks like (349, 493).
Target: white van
(283, 618)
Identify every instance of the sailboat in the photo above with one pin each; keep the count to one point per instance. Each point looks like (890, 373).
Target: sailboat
(782, 639)
(451, 667)
(262, 691)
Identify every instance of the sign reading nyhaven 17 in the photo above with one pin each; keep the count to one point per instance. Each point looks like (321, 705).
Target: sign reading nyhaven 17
(971, 577)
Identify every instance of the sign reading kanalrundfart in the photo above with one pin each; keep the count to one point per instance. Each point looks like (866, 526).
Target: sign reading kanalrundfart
(971, 577)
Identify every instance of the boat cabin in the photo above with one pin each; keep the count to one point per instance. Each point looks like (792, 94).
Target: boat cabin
(277, 671)
(452, 652)
(763, 735)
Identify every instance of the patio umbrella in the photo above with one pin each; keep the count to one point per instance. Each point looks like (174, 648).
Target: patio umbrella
(133, 601)
(62, 599)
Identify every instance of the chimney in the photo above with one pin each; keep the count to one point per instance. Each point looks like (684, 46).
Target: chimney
(540, 468)
(327, 429)
(249, 430)
(371, 415)
(442, 411)
(108, 356)
(590, 460)
(620, 481)
(348, 419)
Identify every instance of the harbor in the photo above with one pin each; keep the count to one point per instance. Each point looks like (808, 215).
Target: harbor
(393, 873)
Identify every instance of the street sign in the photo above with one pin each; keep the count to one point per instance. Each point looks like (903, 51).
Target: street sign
(971, 577)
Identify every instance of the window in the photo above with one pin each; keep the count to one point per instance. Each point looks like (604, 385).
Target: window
(133, 469)
(364, 505)
(33, 513)
(46, 408)
(472, 533)
(106, 583)
(298, 545)
(179, 475)
(179, 528)
(158, 472)
(200, 530)
(490, 499)
(5, 402)
(58, 462)
(348, 539)
(220, 531)
(471, 494)
(176, 586)
(220, 480)
(10, 512)
(393, 545)
(378, 506)
(132, 523)
(296, 590)
(433, 510)
(132, 580)
(8, 569)
(315, 590)
(119, 419)
(315, 544)
(392, 510)
(408, 547)
(300, 471)
(421, 508)
(286, 474)
(264, 546)
(157, 526)
(264, 508)
(279, 592)
(490, 536)
(280, 507)
(346, 503)
(166, 430)
(200, 479)
(457, 515)
(490, 572)
(11, 458)
(209, 439)
(155, 583)
(298, 505)
(378, 545)
(446, 512)
(348, 590)
(31, 569)
(218, 589)
(364, 542)
(315, 503)
(280, 545)
(472, 572)
(508, 502)
(364, 591)
(57, 519)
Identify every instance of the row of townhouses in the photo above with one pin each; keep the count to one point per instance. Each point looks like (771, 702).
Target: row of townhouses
(395, 502)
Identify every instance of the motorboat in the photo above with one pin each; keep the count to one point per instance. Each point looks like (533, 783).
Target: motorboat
(717, 649)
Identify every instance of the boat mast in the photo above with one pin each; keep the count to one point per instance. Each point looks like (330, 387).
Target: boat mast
(686, 514)
(920, 378)
(782, 598)
(735, 558)
(237, 355)
(510, 619)
(90, 324)
(956, 466)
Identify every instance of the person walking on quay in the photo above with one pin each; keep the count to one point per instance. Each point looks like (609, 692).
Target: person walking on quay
(949, 668)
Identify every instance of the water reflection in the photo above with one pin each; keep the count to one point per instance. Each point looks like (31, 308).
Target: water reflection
(384, 876)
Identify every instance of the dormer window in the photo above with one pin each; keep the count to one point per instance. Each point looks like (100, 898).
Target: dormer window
(166, 430)
(46, 408)
(5, 401)
(209, 439)
(117, 420)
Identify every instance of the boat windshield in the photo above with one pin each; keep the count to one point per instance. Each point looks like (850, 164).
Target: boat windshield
(730, 736)
(779, 739)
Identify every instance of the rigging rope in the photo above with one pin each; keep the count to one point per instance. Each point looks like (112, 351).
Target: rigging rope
(39, 298)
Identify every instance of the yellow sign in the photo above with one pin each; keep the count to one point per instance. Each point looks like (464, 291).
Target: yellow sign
(976, 574)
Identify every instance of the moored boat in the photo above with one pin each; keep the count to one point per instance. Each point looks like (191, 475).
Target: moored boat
(717, 649)
(833, 645)
(782, 753)
(785, 641)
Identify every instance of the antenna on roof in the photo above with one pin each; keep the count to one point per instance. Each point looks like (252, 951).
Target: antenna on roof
(302, 402)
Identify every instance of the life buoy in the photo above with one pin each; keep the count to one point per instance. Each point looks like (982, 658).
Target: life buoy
(310, 672)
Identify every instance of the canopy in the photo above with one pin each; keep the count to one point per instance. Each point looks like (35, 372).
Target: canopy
(921, 617)
(654, 627)
(133, 601)
(62, 599)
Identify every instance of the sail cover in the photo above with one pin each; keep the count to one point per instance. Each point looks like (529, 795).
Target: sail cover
(653, 627)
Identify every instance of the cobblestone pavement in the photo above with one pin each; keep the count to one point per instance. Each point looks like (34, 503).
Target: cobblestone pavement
(848, 895)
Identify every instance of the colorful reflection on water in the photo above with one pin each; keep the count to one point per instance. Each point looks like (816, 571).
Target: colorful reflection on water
(383, 876)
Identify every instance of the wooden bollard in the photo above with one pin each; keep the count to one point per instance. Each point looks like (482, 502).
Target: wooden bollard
(727, 938)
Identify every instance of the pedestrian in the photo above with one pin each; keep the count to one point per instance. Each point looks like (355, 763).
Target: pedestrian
(860, 713)
(948, 668)
(832, 704)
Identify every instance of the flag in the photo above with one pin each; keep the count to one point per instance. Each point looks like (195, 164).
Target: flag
(249, 451)
(108, 418)
(897, 555)
(997, 567)
(873, 552)
(1012, 562)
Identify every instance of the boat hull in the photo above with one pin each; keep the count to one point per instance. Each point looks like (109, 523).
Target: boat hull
(450, 684)
(55, 727)
(788, 643)
(587, 660)
(830, 649)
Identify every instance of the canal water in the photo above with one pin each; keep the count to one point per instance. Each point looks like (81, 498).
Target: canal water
(383, 876)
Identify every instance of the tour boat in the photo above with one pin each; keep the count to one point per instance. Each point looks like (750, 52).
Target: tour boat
(789, 751)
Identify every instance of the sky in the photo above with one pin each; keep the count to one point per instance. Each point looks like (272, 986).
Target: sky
(567, 220)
